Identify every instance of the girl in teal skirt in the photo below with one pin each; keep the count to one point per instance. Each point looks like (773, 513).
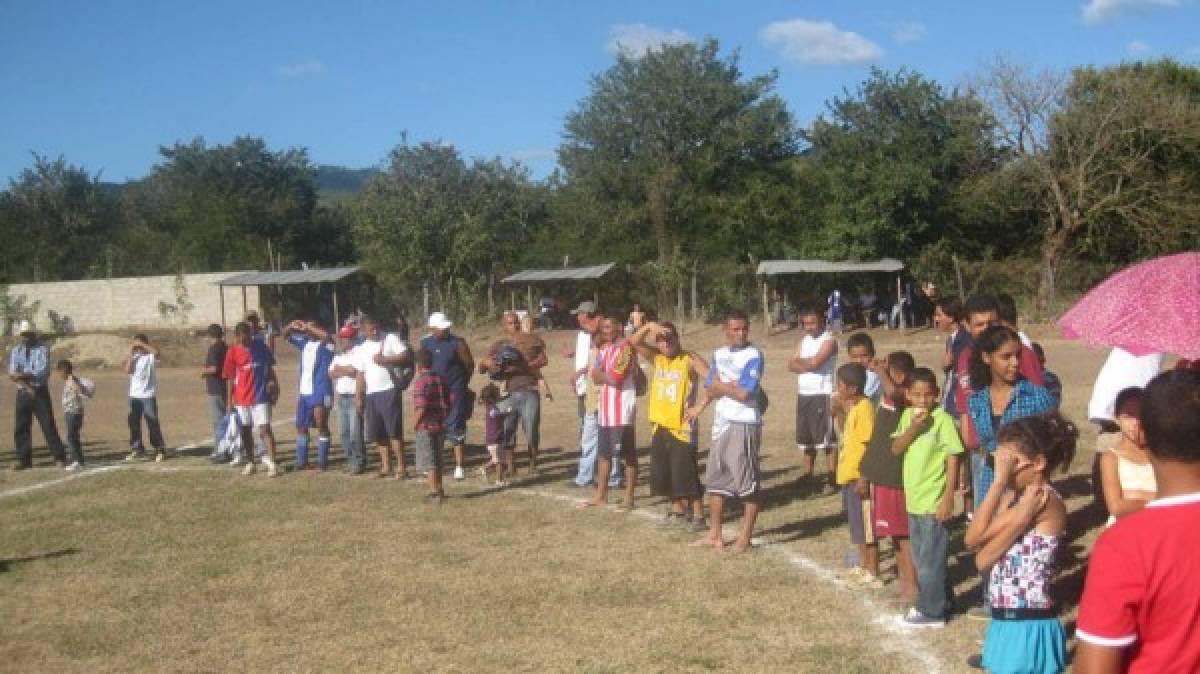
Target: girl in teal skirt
(1016, 533)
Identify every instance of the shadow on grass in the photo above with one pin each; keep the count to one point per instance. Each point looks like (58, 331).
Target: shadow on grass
(5, 564)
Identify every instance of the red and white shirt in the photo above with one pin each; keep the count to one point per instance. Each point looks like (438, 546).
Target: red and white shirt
(618, 401)
(1143, 591)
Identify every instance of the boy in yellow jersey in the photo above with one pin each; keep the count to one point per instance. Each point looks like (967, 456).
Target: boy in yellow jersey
(673, 467)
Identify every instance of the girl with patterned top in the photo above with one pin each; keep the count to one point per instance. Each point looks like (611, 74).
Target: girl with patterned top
(1017, 531)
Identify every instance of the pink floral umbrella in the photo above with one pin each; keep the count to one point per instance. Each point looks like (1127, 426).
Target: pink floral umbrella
(1151, 307)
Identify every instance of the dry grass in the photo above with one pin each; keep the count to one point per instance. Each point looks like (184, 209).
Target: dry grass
(184, 567)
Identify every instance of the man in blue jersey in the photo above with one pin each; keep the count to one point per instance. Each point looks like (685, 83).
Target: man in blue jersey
(453, 362)
(314, 396)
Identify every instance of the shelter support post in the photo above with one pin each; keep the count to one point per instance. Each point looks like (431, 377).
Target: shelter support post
(244, 307)
(221, 289)
(512, 300)
(529, 300)
(336, 315)
(766, 310)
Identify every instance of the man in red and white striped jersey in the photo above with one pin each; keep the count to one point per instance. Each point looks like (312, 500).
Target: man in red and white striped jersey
(614, 373)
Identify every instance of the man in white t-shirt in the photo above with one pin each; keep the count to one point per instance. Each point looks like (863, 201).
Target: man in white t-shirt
(734, 381)
(377, 395)
(344, 371)
(589, 430)
(814, 363)
(143, 403)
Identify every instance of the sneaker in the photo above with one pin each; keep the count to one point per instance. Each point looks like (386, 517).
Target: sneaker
(483, 474)
(979, 613)
(249, 469)
(917, 620)
(501, 483)
(74, 467)
(135, 455)
(237, 460)
(218, 458)
(272, 468)
(459, 473)
(160, 456)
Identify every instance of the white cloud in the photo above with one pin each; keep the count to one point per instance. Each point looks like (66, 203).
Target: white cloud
(819, 43)
(1102, 11)
(1137, 48)
(635, 39)
(908, 31)
(303, 68)
(532, 155)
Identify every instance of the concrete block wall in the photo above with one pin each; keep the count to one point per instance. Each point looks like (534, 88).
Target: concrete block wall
(121, 303)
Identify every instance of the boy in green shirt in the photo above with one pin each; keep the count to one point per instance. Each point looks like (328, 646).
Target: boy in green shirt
(929, 442)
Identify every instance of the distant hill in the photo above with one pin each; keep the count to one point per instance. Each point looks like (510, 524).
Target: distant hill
(333, 182)
(336, 182)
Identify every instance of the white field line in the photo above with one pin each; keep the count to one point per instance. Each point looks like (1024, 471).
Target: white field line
(897, 639)
(108, 468)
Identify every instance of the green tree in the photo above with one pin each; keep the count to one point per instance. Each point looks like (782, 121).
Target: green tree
(221, 205)
(1109, 156)
(894, 164)
(54, 219)
(433, 218)
(668, 143)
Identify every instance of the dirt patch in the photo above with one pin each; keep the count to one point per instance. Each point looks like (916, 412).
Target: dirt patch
(98, 351)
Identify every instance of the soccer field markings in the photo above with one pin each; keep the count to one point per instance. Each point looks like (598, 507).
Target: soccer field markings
(900, 640)
(111, 466)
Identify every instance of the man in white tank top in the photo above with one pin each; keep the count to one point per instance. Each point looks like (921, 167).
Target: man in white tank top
(814, 363)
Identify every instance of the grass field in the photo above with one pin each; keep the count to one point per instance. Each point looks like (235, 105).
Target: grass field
(184, 566)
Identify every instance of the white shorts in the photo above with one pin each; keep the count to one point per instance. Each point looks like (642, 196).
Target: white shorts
(254, 415)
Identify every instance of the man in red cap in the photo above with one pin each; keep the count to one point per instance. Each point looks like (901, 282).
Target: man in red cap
(344, 371)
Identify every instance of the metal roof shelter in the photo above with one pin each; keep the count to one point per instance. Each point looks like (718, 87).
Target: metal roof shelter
(777, 267)
(282, 278)
(769, 268)
(531, 276)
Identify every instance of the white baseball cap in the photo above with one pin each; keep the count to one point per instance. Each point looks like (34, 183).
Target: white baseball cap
(26, 328)
(438, 321)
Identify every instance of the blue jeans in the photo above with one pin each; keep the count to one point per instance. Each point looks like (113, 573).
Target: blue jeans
(527, 404)
(216, 412)
(929, 548)
(589, 440)
(351, 430)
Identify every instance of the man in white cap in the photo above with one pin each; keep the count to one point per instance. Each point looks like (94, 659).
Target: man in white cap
(29, 369)
(453, 362)
(589, 319)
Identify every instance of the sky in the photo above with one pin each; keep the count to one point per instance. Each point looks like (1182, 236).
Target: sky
(106, 83)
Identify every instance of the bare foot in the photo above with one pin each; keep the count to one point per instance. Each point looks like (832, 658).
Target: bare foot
(625, 507)
(739, 547)
(583, 505)
(708, 541)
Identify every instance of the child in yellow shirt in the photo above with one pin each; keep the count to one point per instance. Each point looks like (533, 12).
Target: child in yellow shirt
(856, 499)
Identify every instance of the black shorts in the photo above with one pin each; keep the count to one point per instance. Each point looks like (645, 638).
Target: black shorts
(814, 423)
(673, 470)
(616, 442)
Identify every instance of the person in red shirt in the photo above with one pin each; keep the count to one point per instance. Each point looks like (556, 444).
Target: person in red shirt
(1141, 604)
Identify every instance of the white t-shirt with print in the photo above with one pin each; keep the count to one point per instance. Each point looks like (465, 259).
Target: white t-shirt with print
(378, 377)
(743, 367)
(143, 382)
